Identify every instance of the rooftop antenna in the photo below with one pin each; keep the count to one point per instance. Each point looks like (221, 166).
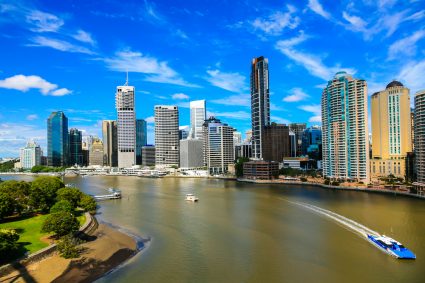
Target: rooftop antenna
(126, 79)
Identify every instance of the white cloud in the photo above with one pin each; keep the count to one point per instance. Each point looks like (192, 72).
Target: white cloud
(279, 120)
(150, 119)
(84, 36)
(32, 117)
(157, 71)
(59, 45)
(313, 108)
(14, 136)
(238, 115)
(315, 119)
(277, 22)
(61, 92)
(297, 95)
(405, 46)
(234, 82)
(311, 63)
(234, 100)
(356, 23)
(180, 96)
(43, 22)
(316, 7)
(413, 74)
(25, 83)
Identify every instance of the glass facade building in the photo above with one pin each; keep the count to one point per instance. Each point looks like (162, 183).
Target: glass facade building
(57, 139)
(312, 143)
(141, 139)
(75, 147)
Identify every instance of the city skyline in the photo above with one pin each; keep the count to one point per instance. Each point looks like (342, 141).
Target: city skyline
(179, 63)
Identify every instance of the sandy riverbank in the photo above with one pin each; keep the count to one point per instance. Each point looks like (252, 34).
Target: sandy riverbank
(109, 249)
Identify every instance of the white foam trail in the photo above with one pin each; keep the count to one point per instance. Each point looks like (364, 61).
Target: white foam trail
(349, 223)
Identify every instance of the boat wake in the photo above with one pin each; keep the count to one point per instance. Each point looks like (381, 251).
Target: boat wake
(344, 221)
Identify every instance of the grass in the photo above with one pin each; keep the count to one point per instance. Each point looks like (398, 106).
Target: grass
(29, 231)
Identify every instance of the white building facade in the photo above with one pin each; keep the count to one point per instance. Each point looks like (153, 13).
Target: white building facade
(126, 125)
(197, 118)
(344, 129)
(30, 155)
(167, 143)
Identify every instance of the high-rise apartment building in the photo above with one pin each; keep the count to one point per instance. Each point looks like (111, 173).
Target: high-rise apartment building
(141, 139)
(75, 147)
(298, 129)
(420, 141)
(110, 142)
(57, 139)
(197, 118)
(126, 125)
(218, 146)
(30, 155)
(260, 103)
(167, 135)
(148, 155)
(391, 131)
(345, 130)
(184, 132)
(96, 153)
(276, 143)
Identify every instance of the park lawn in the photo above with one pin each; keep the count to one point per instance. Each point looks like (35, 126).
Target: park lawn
(29, 231)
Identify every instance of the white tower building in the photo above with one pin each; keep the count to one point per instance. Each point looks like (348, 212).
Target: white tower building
(197, 118)
(30, 155)
(167, 143)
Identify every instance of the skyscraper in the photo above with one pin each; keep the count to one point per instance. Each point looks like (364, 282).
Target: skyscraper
(260, 103)
(420, 141)
(126, 125)
(276, 143)
(197, 118)
(312, 143)
(30, 155)
(96, 153)
(141, 139)
(167, 135)
(110, 142)
(75, 147)
(345, 129)
(191, 153)
(57, 139)
(218, 146)
(391, 131)
(298, 129)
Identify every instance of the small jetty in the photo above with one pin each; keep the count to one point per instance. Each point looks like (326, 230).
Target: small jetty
(114, 194)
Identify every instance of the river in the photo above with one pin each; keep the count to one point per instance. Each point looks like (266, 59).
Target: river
(241, 232)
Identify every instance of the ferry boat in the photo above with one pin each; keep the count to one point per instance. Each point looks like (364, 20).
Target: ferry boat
(115, 194)
(191, 197)
(391, 247)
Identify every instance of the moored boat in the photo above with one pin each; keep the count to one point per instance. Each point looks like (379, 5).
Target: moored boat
(191, 197)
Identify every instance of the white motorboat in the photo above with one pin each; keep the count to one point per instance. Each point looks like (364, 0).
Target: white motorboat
(191, 197)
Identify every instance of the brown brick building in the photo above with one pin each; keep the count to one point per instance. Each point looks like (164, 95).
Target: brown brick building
(275, 142)
(264, 170)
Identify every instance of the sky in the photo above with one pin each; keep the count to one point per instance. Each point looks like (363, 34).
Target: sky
(71, 55)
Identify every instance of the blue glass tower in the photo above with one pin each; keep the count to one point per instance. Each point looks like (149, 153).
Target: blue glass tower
(75, 147)
(312, 143)
(141, 139)
(57, 139)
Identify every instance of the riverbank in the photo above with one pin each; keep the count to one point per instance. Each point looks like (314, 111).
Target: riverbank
(356, 189)
(106, 250)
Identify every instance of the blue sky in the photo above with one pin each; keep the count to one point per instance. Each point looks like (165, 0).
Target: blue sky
(61, 56)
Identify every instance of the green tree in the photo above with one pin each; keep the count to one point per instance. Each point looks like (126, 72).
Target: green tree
(20, 191)
(43, 192)
(8, 244)
(62, 205)
(68, 246)
(60, 223)
(87, 203)
(7, 205)
(73, 195)
(239, 166)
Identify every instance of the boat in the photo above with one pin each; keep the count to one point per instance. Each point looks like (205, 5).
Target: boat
(114, 194)
(191, 197)
(391, 246)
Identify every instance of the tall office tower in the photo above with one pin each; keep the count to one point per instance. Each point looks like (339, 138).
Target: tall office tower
(345, 130)
(75, 147)
(248, 136)
(312, 143)
(148, 155)
(298, 129)
(218, 146)
(292, 144)
(237, 138)
(141, 139)
(191, 153)
(57, 139)
(167, 135)
(184, 132)
(260, 103)
(243, 150)
(30, 155)
(85, 151)
(197, 118)
(412, 122)
(96, 153)
(126, 125)
(420, 141)
(110, 142)
(276, 143)
(391, 131)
